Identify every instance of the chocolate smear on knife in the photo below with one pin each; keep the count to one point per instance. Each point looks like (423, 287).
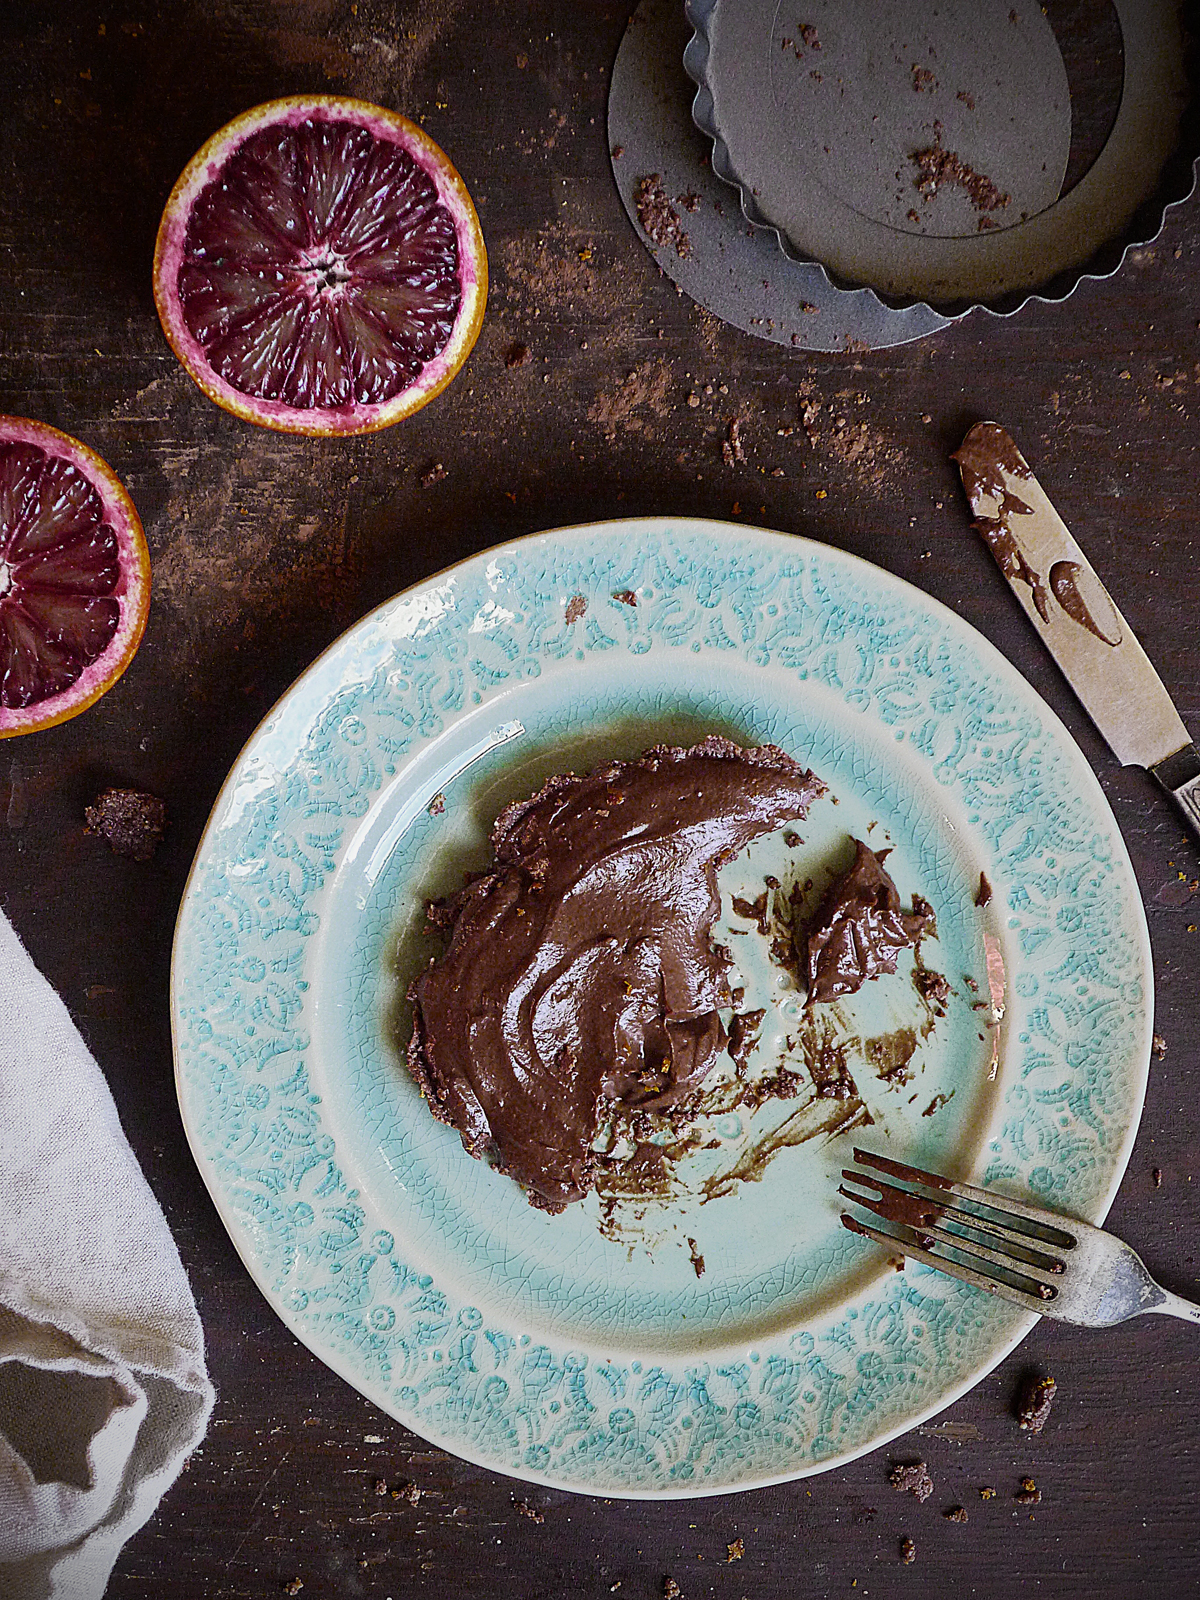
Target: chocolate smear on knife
(984, 456)
(1064, 581)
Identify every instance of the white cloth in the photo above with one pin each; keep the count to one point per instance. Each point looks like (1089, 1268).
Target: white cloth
(103, 1389)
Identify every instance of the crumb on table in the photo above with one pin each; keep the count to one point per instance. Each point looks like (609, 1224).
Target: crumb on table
(130, 822)
(913, 1477)
(1034, 1400)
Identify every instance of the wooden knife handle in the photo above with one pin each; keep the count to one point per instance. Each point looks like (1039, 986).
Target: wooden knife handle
(1179, 774)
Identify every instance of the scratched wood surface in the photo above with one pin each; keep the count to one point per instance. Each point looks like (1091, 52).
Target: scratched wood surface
(265, 548)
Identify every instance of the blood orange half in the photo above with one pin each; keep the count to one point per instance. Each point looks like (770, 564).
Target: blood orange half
(320, 267)
(74, 577)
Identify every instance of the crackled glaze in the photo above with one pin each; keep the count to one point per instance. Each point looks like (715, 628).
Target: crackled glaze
(532, 1344)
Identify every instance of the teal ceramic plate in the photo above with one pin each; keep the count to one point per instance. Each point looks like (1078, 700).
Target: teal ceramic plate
(587, 1350)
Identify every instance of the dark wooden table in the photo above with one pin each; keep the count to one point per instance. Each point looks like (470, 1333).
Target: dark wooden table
(265, 548)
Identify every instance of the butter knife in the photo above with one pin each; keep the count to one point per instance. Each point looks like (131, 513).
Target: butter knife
(1075, 615)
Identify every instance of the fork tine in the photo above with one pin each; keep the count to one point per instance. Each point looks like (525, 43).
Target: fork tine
(894, 1203)
(1041, 1280)
(1047, 1232)
(956, 1269)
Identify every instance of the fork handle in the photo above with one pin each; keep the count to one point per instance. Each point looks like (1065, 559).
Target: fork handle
(1173, 1305)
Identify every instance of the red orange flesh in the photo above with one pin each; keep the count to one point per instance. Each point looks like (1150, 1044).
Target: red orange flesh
(74, 577)
(320, 267)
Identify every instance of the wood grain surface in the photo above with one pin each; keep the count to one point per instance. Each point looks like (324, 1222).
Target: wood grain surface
(266, 547)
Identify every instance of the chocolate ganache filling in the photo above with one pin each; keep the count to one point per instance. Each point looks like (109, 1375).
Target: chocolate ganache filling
(859, 929)
(580, 978)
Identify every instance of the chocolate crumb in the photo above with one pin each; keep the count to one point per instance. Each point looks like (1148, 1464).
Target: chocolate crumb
(617, 151)
(409, 1492)
(923, 81)
(931, 985)
(529, 1511)
(576, 606)
(956, 1514)
(294, 1587)
(987, 1493)
(937, 167)
(908, 1552)
(1158, 1046)
(984, 892)
(516, 355)
(130, 822)
(1156, 1177)
(967, 99)
(671, 1590)
(809, 35)
(434, 473)
(690, 202)
(380, 1487)
(732, 448)
(625, 596)
(1028, 1494)
(753, 911)
(791, 838)
(437, 805)
(697, 1258)
(658, 217)
(743, 1036)
(1034, 1400)
(736, 1551)
(913, 1477)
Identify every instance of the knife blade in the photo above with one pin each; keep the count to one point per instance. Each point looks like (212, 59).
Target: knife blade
(1075, 614)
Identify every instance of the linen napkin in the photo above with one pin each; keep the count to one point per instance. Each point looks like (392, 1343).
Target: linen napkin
(103, 1388)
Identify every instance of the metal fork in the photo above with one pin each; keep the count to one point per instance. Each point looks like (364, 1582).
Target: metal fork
(1056, 1266)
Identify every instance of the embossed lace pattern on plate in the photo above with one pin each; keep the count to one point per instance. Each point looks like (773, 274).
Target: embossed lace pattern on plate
(326, 1252)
